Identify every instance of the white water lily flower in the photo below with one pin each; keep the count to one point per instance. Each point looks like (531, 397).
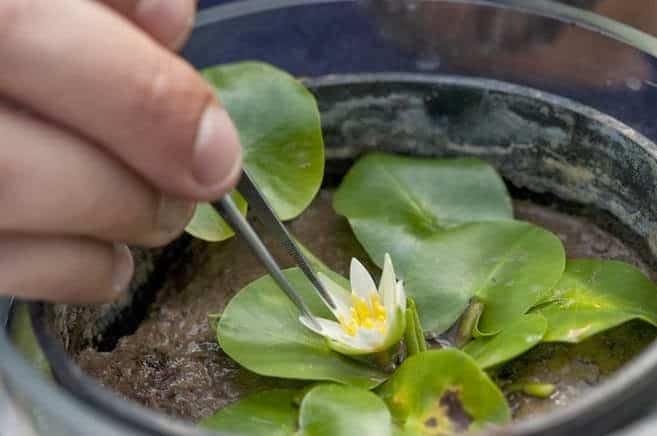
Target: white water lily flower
(368, 321)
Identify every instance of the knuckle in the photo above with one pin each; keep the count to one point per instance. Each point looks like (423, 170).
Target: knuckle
(155, 90)
(169, 92)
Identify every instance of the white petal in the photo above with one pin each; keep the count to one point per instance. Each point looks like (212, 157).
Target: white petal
(329, 329)
(401, 295)
(396, 326)
(340, 295)
(340, 341)
(400, 301)
(361, 341)
(306, 322)
(350, 349)
(370, 338)
(361, 280)
(387, 285)
(332, 330)
(364, 342)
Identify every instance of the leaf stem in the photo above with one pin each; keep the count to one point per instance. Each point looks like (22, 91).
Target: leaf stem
(468, 324)
(419, 331)
(414, 334)
(410, 336)
(213, 320)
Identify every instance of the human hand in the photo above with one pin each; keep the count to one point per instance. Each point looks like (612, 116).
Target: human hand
(106, 138)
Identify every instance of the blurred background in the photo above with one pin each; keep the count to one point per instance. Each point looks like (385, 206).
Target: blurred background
(208, 3)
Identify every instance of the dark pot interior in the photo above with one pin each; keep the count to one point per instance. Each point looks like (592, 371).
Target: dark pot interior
(560, 160)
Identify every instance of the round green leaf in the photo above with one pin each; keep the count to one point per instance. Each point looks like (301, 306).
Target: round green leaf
(508, 266)
(395, 202)
(517, 338)
(596, 295)
(269, 413)
(206, 223)
(326, 410)
(336, 410)
(279, 126)
(442, 392)
(260, 329)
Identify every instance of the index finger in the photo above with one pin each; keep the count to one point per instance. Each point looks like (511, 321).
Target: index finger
(89, 69)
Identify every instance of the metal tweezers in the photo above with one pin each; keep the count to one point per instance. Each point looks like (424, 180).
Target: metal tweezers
(262, 210)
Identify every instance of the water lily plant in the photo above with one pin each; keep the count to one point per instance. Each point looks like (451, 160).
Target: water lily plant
(367, 320)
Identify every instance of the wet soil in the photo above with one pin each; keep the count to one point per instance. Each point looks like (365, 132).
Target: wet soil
(172, 362)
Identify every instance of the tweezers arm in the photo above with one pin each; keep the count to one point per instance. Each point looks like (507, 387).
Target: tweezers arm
(229, 211)
(268, 217)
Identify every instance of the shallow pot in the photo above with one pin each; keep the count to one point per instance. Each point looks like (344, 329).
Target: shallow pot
(506, 81)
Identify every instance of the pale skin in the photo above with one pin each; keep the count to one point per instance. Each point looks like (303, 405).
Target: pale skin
(107, 138)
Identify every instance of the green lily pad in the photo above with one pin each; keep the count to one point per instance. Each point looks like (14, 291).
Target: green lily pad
(517, 338)
(326, 410)
(279, 127)
(443, 392)
(269, 413)
(508, 266)
(206, 223)
(260, 330)
(395, 202)
(596, 295)
(335, 410)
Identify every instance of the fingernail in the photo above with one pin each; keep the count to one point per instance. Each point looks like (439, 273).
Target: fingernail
(172, 215)
(123, 268)
(217, 152)
(179, 42)
(169, 21)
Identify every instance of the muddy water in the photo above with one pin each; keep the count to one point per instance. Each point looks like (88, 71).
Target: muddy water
(172, 363)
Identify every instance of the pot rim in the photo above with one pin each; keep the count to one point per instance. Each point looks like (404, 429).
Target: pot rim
(588, 20)
(45, 397)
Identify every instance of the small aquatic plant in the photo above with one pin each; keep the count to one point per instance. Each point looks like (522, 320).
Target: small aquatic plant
(368, 320)
(465, 262)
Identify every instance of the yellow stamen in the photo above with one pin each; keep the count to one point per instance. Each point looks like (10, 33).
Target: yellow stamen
(365, 314)
(378, 310)
(348, 326)
(361, 307)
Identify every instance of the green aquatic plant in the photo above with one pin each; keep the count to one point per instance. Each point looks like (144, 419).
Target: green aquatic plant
(506, 266)
(432, 393)
(448, 224)
(366, 320)
(596, 295)
(516, 339)
(260, 329)
(394, 203)
(279, 128)
(325, 410)
(441, 392)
